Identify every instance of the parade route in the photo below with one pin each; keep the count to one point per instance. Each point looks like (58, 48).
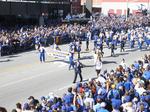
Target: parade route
(22, 75)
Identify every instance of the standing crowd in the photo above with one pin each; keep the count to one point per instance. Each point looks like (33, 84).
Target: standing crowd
(124, 89)
(110, 29)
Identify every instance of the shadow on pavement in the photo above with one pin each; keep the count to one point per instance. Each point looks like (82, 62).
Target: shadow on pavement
(118, 54)
(57, 61)
(9, 56)
(111, 56)
(13, 56)
(86, 66)
(145, 49)
(8, 60)
(108, 62)
(86, 57)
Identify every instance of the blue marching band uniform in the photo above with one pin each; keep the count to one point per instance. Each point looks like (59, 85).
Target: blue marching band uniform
(147, 39)
(107, 35)
(71, 55)
(42, 54)
(139, 35)
(132, 40)
(99, 43)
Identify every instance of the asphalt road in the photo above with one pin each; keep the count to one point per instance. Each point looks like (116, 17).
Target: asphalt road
(22, 75)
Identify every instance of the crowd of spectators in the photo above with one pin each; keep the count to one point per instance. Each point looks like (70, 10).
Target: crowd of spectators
(125, 89)
(22, 38)
(121, 22)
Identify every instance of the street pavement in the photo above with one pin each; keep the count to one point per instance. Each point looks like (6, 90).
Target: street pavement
(22, 75)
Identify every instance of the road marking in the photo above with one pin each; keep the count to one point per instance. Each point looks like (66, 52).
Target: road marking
(17, 67)
(25, 79)
(21, 66)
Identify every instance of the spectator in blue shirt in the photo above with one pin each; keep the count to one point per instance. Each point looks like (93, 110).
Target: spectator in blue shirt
(146, 74)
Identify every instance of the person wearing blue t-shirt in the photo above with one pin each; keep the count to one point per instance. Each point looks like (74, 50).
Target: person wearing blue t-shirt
(113, 93)
(68, 98)
(128, 85)
(116, 103)
(136, 65)
(146, 74)
(99, 44)
(102, 108)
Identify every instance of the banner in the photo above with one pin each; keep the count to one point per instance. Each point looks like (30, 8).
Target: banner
(59, 54)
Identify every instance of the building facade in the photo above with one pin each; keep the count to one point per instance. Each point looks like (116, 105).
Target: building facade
(119, 7)
(34, 8)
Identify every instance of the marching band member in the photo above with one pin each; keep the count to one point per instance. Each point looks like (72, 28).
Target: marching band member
(140, 41)
(42, 53)
(132, 40)
(98, 65)
(107, 38)
(88, 38)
